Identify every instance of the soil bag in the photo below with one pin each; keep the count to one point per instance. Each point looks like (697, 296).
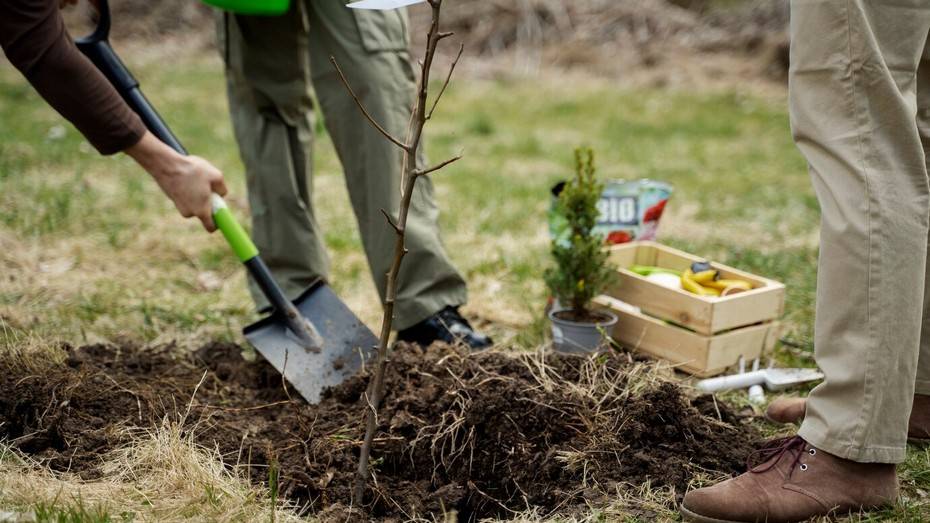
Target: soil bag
(629, 210)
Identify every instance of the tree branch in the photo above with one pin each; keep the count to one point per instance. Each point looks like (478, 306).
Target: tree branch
(362, 108)
(424, 172)
(410, 146)
(445, 84)
(391, 222)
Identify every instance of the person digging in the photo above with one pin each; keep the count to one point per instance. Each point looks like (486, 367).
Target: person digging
(271, 65)
(35, 40)
(859, 95)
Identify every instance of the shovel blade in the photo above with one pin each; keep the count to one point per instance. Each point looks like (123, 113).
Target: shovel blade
(383, 5)
(347, 343)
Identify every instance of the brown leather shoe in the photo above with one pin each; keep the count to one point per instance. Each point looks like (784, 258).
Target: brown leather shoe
(786, 410)
(794, 482)
(791, 410)
(918, 425)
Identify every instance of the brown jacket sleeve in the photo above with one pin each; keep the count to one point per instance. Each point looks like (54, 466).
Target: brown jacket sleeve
(34, 38)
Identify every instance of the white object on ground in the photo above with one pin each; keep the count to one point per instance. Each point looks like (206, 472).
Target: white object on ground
(756, 395)
(773, 379)
(382, 5)
(665, 279)
(614, 303)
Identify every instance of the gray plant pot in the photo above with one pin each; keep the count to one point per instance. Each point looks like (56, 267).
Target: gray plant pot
(577, 337)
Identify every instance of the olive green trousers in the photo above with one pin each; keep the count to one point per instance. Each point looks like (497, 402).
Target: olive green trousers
(271, 65)
(859, 90)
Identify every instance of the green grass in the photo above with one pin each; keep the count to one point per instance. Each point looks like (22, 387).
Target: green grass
(91, 250)
(77, 512)
(740, 186)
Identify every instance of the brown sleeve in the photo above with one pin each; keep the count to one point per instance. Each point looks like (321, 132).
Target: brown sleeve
(35, 40)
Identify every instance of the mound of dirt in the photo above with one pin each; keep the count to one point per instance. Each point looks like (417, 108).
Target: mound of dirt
(482, 434)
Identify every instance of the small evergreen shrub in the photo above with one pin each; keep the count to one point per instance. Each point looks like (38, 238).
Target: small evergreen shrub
(581, 269)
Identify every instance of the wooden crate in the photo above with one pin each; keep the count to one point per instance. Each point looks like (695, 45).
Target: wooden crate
(695, 353)
(701, 335)
(705, 315)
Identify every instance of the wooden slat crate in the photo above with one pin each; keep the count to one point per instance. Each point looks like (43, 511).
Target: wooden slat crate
(701, 335)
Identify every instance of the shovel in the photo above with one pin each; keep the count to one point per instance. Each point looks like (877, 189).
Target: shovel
(315, 341)
(773, 379)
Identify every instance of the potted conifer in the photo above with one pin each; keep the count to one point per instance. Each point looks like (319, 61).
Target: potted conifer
(581, 269)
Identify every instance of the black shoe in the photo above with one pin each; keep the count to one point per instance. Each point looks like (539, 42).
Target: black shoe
(446, 325)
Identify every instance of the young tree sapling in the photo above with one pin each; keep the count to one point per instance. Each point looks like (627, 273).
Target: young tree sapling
(581, 270)
(410, 145)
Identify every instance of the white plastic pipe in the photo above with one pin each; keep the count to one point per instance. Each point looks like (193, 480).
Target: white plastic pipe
(756, 395)
(734, 381)
(773, 379)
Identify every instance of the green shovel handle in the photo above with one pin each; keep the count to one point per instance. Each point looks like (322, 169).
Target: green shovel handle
(236, 236)
(248, 254)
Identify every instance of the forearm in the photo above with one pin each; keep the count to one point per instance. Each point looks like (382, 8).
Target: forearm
(34, 38)
(188, 180)
(153, 155)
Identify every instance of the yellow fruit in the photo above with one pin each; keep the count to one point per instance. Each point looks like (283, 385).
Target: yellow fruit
(732, 290)
(704, 277)
(688, 284)
(724, 284)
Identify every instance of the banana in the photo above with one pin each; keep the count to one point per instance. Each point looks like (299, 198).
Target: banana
(732, 290)
(704, 277)
(688, 284)
(646, 270)
(707, 282)
(724, 284)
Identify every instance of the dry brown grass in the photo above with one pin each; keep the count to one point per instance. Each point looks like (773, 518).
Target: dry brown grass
(162, 476)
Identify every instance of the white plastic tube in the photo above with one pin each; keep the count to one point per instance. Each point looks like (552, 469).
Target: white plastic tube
(756, 395)
(735, 381)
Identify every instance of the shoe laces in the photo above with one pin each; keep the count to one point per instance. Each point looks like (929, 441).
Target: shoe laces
(765, 458)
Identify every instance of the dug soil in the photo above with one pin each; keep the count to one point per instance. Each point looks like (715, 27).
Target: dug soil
(482, 434)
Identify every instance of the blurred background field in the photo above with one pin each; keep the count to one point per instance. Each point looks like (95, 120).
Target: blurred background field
(90, 243)
(639, 83)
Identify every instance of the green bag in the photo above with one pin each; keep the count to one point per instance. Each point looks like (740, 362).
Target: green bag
(252, 7)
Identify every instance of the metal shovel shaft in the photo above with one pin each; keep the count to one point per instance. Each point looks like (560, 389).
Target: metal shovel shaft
(316, 341)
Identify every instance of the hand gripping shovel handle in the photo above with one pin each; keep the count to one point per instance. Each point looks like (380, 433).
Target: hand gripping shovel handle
(97, 48)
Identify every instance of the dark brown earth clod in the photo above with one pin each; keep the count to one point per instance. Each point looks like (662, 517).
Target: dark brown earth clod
(481, 434)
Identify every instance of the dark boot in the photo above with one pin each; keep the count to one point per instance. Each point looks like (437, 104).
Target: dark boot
(795, 482)
(446, 325)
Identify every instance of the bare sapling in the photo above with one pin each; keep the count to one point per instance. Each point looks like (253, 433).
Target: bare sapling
(410, 145)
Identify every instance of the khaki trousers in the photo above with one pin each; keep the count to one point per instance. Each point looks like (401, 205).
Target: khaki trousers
(271, 64)
(859, 89)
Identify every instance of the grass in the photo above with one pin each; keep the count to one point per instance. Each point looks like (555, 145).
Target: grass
(91, 250)
(162, 476)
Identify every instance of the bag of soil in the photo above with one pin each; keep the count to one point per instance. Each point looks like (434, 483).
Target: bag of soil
(629, 210)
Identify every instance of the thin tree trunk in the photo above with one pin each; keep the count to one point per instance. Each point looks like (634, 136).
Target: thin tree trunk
(410, 145)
